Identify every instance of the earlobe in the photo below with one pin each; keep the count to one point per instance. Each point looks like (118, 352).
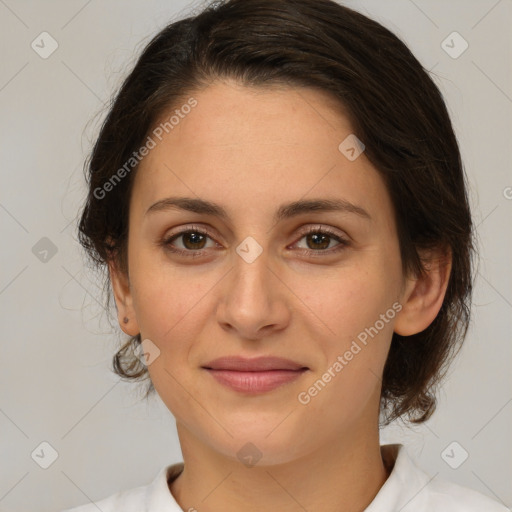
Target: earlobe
(124, 304)
(423, 295)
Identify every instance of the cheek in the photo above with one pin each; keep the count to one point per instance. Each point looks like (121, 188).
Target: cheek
(171, 312)
(339, 390)
(165, 296)
(356, 312)
(172, 321)
(349, 299)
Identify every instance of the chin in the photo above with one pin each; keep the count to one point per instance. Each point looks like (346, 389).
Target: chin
(258, 444)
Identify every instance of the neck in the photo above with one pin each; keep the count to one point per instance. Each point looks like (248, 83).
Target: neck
(341, 474)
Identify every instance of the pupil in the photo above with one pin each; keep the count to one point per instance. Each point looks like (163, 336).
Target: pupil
(196, 239)
(315, 237)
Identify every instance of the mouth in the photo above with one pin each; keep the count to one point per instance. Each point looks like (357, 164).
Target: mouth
(257, 364)
(254, 376)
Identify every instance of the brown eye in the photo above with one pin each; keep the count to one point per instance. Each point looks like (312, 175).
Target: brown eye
(318, 240)
(193, 242)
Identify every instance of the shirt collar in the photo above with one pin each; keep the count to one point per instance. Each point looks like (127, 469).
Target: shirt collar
(158, 496)
(401, 491)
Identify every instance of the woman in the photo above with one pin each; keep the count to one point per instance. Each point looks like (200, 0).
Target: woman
(286, 226)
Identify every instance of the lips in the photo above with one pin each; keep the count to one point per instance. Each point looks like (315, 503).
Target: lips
(259, 364)
(254, 376)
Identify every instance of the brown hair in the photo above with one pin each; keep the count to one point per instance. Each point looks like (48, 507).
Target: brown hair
(395, 109)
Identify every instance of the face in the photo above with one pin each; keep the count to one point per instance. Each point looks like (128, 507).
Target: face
(307, 286)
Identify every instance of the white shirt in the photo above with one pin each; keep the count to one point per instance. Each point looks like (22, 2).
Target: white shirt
(407, 489)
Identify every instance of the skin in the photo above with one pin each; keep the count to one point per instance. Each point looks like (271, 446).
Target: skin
(251, 150)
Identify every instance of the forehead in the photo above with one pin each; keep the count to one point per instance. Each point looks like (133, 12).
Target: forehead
(230, 113)
(246, 144)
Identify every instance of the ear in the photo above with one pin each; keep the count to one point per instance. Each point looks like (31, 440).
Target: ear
(124, 302)
(423, 296)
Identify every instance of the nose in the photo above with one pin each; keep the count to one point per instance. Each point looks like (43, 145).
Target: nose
(254, 301)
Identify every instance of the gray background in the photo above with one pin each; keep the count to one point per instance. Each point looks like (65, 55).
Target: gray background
(57, 343)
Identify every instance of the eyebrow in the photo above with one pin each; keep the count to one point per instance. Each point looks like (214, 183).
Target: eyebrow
(285, 211)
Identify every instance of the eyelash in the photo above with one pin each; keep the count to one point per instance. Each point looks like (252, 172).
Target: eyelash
(166, 242)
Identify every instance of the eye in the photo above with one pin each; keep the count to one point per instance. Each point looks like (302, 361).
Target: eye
(194, 239)
(318, 240)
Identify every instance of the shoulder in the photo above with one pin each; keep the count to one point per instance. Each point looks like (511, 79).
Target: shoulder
(152, 497)
(410, 489)
(129, 500)
(446, 496)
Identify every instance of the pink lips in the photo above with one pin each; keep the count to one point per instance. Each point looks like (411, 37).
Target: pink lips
(256, 375)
